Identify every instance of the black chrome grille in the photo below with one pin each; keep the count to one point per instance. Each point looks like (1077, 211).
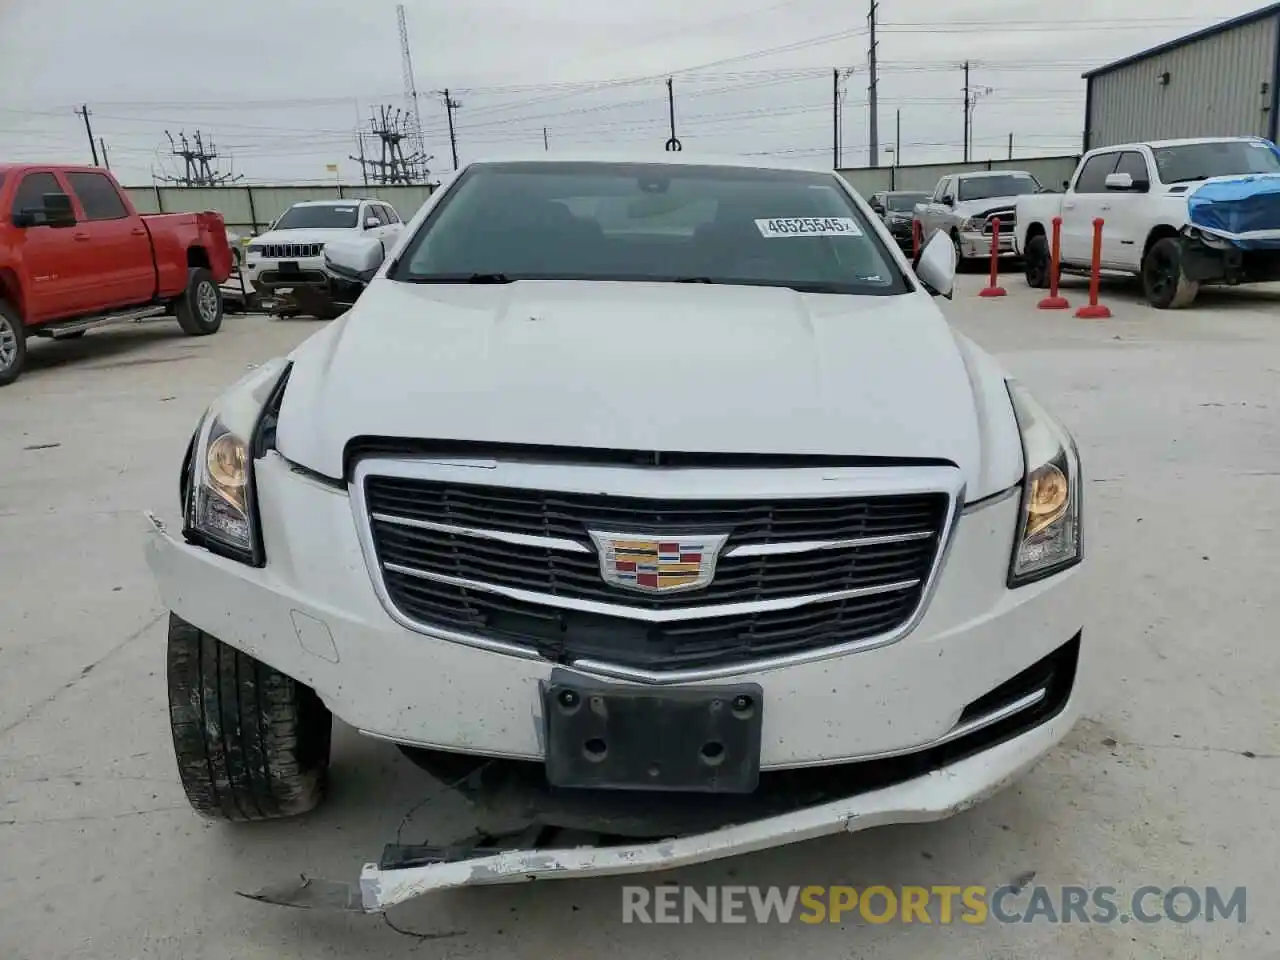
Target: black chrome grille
(567, 635)
(569, 516)
(802, 574)
(740, 579)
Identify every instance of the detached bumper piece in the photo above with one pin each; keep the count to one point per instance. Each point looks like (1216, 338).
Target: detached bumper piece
(608, 832)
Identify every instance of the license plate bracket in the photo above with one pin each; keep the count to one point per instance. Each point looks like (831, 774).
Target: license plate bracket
(609, 736)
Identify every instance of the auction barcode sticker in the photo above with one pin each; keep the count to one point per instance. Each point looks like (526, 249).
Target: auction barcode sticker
(808, 227)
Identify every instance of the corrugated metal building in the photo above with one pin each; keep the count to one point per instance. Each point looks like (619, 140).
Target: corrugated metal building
(1223, 81)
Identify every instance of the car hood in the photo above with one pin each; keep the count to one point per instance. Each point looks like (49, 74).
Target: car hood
(980, 208)
(638, 366)
(304, 235)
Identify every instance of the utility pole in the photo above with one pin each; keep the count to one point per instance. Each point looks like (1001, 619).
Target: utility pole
(103, 144)
(410, 87)
(93, 147)
(873, 104)
(392, 128)
(198, 170)
(966, 111)
(545, 145)
(673, 143)
(835, 118)
(897, 140)
(451, 105)
(1011, 146)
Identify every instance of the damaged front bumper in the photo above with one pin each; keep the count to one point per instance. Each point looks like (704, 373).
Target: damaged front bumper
(938, 794)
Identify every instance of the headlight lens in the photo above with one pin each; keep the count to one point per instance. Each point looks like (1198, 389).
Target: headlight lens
(1048, 536)
(972, 225)
(219, 509)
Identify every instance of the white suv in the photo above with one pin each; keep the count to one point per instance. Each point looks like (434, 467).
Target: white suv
(291, 253)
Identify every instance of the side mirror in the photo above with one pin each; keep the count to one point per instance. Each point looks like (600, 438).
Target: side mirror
(949, 200)
(372, 223)
(356, 259)
(936, 268)
(1126, 182)
(1066, 184)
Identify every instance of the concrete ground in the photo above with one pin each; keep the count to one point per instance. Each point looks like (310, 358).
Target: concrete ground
(1172, 778)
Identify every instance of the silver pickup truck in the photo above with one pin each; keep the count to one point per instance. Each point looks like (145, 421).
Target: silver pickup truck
(964, 204)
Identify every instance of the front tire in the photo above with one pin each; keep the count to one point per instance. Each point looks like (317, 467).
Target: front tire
(251, 743)
(1035, 262)
(1164, 282)
(961, 259)
(13, 345)
(199, 308)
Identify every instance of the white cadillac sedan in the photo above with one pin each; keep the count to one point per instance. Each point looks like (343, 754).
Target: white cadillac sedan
(654, 505)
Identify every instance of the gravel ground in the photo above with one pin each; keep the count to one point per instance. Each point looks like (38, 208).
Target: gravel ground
(1172, 777)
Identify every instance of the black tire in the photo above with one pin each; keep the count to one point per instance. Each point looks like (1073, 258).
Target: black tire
(961, 259)
(199, 308)
(1164, 283)
(1035, 262)
(13, 345)
(251, 743)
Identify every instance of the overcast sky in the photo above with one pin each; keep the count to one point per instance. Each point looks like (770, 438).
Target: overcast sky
(281, 85)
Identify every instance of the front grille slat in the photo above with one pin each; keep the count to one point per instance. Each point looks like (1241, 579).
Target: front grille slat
(287, 251)
(625, 636)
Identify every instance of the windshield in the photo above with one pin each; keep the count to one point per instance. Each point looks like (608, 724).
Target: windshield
(317, 217)
(650, 222)
(1224, 158)
(987, 188)
(904, 201)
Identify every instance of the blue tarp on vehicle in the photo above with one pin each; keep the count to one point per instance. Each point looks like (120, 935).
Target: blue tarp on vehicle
(1244, 209)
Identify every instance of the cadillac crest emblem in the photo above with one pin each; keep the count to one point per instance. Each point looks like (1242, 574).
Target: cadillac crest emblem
(665, 564)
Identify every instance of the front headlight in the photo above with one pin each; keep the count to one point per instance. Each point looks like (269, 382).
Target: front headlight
(973, 225)
(220, 509)
(219, 493)
(1048, 535)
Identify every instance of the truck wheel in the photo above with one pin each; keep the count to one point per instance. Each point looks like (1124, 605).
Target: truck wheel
(13, 345)
(1163, 281)
(1035, 262)
(960, 257)
(199, 308)
(251, 743)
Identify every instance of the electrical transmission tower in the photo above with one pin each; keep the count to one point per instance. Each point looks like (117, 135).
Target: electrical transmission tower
(410, 87)
(197, 159)
(389, 129)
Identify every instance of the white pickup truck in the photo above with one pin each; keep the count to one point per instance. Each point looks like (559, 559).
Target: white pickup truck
(1176, 213)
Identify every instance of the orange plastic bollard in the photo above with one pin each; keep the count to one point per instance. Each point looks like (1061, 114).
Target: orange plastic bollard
(1094, 310)
(1053, 301)
(992, 289)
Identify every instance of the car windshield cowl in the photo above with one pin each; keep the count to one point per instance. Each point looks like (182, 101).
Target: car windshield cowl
(650, 223)
(860, 285)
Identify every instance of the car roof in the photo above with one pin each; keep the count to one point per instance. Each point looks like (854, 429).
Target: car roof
(994, 173)
(344, 202)
(1191, 141)
(658, 155)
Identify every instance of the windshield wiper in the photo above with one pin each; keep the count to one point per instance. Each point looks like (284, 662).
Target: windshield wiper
(694, 280)
(1198, 176)
(458, 278)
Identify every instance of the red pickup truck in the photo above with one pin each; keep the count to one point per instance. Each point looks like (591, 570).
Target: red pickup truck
(75, 254)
